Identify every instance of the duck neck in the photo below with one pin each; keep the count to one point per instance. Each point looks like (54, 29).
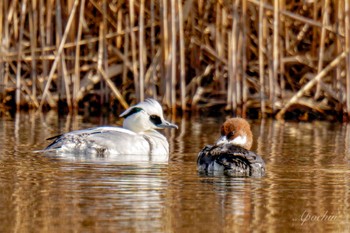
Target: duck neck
(157, 141)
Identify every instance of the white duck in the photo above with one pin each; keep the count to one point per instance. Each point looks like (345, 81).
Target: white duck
(137, 137)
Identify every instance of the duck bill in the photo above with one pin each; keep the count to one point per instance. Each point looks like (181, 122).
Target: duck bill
(166, 124)
(221, 140)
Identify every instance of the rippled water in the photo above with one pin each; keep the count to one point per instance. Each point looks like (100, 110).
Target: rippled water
(307, 185)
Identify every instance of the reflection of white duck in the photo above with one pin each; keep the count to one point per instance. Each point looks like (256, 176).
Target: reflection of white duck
(231, 154)
(137, 137)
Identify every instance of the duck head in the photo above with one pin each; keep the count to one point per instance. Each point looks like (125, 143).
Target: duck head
(237, 132)
(146, 115)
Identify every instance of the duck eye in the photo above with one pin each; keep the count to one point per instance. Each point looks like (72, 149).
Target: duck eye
(155, 119)
(230, 134)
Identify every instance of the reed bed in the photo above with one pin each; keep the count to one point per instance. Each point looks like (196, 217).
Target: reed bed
(284, 59)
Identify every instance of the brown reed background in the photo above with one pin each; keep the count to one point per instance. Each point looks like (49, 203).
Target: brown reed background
(268, 58)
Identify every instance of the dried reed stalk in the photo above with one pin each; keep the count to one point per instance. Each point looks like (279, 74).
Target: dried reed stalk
(126, 63)
(63, 68)
(182, 58)
(19, 62)
(297, 17)
(33, 24)
(153, 45)
(76, 80)
(59, 52)
(347, 47)
(133, 50)
(165, 54)
(338, 85)
(141, 49)
(102, 71)
(242, 54)
(173, 57)
(311, 83)
(261, 56)
(2, 63)
(234, 58)
(273, 82)
(245, 44)
(229, 103)
(322, 44)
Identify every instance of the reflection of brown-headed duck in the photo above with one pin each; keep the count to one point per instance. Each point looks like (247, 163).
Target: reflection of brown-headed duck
(231, 154)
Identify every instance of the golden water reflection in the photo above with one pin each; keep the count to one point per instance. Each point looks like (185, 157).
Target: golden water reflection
(306, 186)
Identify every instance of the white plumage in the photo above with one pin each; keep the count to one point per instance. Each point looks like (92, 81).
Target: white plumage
(137, 137)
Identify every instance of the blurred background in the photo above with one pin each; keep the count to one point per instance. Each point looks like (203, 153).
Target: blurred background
(282, 59)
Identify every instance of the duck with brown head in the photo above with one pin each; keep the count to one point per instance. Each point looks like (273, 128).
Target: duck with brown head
(231, 153)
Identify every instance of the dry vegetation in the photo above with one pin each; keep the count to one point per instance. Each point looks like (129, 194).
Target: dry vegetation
(263, 58)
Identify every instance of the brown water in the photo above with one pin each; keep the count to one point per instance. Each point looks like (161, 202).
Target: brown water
(307, 186)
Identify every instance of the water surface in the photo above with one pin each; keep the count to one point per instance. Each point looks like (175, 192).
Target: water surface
(306, 187)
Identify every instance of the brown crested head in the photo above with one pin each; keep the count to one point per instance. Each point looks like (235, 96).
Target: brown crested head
(237, 131)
